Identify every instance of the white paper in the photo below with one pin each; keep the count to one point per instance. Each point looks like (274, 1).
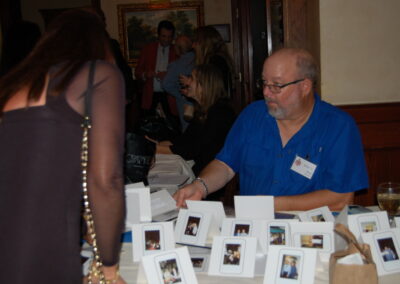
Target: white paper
(254, 207)
(173, 266)
(138, 205)
(290, 265)
(354, 258)
(233, 256)
(163, 206)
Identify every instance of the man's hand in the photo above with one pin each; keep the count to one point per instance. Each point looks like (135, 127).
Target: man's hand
(193, 191)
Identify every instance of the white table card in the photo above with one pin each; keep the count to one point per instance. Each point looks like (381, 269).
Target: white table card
(214, 207)
(314, 235)
(287, 265)
(137, 204)
(367, 222)
(173, 266)
(385, 250)
(233, 256)
(194, 228)
(321, 214)
(151, 238)
(276, 233)
(254, 207)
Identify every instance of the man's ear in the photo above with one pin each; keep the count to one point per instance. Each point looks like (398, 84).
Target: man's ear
(307, 86)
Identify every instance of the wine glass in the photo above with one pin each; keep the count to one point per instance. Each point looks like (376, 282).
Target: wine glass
(388, 194)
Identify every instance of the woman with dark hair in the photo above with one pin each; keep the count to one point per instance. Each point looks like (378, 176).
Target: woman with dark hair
(42, 104)
(213, 118)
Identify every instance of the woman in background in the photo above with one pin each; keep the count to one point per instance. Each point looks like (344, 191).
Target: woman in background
(41, 108)
(213, 118)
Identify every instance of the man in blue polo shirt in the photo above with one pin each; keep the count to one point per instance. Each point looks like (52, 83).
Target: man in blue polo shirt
(305, 152)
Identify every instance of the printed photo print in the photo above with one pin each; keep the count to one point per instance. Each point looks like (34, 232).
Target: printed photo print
(388, 250)
(277, 235)
(170, 272)
(192, 226)
(152, 239)
(369, 226)
(232, 254)
(312, 241)
(197, 262)
(290, 266)
(241, 230)
(318, 218)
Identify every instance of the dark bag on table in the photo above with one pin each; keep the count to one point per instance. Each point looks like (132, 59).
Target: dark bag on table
(159, 128)
(139, 157)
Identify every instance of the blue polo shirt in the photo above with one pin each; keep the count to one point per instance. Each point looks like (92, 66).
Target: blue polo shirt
(330, 139)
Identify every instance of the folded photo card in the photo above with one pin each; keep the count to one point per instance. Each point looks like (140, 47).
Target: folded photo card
(385, 249)
(194, 228)
(367, 223)
(233, 256)
(287, 265)
(314, 235)
(276, 233)
(322, 214)
(397, 222)
(138, 207)
(173, 266)
(216, 208)
(151, 238)
(254, 207)
(163, 206)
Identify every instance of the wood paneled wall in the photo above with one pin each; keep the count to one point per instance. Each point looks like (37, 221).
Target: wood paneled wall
(379, 125)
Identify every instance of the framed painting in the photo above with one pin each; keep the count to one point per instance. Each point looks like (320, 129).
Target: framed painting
(137, 23)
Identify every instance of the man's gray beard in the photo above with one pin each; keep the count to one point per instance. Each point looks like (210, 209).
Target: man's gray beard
(276, 113)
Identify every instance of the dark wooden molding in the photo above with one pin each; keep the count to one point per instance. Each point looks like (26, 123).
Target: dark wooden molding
(379, 126)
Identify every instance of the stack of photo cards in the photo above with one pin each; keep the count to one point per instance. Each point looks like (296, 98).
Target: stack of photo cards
(254, 207)
(216, 208)
(314, 235)
(233, 256)
(163, 206)
(385, 250)
(286, 265)
(322, 214)
(173, 266)
(152, 238)
(138, 207)
(195, 228)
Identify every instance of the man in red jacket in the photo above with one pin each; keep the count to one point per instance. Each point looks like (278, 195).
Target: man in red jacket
(151, 69)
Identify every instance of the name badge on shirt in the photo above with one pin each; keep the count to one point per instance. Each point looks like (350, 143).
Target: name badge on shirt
(303, 167)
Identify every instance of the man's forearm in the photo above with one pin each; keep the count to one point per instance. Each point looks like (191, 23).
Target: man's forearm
(335, 201)
(216, 175)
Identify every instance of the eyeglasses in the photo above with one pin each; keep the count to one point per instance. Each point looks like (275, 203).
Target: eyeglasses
(275, 88)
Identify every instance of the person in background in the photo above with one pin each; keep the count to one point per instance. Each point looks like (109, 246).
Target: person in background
(151, 69)
(210, 48)
(42, 102)
(182, 66)
(213, 117)
(293, 146)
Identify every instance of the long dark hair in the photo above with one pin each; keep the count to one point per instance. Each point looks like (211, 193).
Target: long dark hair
(72, 38)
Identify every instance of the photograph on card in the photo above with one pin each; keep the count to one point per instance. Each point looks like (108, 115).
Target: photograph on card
(277, 234)
(367, 224)
(312, 241)
(290, 266)
(169, 269)
(152, 240)
(387, 246)
(241, 229)
(233, 255)
(317, 216)
(199, 262)
(192, 225)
